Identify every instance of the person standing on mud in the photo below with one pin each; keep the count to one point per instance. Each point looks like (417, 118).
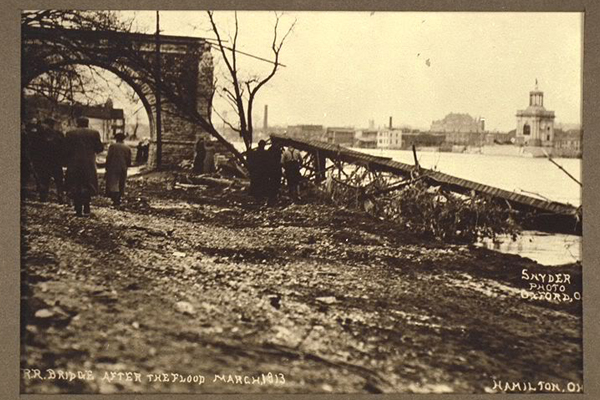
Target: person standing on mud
(82, 144)
(46, 146)
(209, 158)
(139, 153)
(273, 172)
(256, 167)
(292, 160)
(146, 150)
(200, 155)
(118, 160)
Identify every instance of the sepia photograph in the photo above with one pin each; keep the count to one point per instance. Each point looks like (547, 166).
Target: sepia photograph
(301, 202)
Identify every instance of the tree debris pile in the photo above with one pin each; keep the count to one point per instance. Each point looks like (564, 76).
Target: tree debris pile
(429, 211)
(202, 281)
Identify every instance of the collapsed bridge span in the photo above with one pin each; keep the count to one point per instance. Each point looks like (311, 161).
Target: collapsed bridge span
(371, 176)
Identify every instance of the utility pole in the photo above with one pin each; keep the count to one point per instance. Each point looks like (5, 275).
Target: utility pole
(157, 95)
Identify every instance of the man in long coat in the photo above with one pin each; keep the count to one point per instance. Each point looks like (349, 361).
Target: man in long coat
(81, 145)
(273, 172)
(209, 158)
(200, 156)
(292, 160)
(47, 156)
(257, 164)
(117, 162)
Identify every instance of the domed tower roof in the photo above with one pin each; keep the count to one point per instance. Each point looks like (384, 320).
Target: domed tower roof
(536, 104)
(536, 99)
(535, 109)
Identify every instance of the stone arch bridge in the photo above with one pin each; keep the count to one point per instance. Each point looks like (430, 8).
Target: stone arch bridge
(186, 83)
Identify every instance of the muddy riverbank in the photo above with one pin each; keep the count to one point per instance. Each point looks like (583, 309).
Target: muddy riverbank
(202, 281)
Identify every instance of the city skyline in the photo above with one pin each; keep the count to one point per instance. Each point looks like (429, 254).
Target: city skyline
(433, 81)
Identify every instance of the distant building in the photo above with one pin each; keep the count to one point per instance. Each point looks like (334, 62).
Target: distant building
(458, 123)
(341, 136)
(366, 138)
(308, 132)
(465, 138)
(389, 138)
(104, 118)
(491, 138)
(568, 143)
(422, 139)
(535, 125)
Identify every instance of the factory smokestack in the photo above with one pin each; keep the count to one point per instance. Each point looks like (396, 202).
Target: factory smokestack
(266, 119)
(391, 126)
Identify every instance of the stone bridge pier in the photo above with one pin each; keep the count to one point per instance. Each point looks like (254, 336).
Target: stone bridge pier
(186, 70)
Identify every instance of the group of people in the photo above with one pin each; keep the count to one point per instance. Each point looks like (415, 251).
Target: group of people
(142, 152)
(204, 159)
(266, 173)
(45, 151)
(43, 154)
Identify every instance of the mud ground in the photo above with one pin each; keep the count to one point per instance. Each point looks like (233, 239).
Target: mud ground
(296, 298)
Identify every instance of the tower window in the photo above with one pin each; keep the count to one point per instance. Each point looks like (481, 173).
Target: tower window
(526, 129)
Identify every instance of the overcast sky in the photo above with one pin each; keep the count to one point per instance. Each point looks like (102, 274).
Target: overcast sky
(346, 68)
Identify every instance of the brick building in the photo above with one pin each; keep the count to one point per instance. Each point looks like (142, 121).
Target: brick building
(308, 132)
(341, 136)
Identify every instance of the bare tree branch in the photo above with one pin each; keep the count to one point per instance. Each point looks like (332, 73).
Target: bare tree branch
(227, 122)
(244, 92)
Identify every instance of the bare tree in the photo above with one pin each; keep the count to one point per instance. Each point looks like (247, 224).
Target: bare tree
(241, 93)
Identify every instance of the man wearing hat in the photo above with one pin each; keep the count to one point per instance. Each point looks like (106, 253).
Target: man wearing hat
(47, 156)
(82, 144)
(117, 162)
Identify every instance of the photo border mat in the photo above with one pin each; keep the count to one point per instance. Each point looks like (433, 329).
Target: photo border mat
(10, 182)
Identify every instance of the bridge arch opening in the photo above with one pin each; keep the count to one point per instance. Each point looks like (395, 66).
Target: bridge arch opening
(107, 96)
(186, 74)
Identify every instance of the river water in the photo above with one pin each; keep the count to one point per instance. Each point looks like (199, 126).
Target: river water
(536, 177)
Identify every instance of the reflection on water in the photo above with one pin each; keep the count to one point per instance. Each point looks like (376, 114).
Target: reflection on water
(546, 249)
